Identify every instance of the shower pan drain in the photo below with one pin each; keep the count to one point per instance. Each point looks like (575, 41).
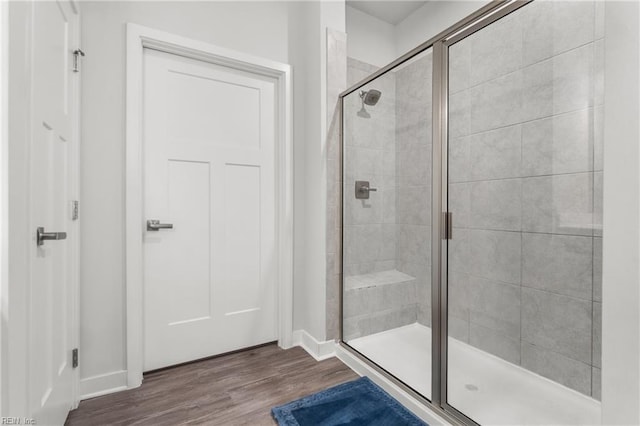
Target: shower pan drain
(471, 387)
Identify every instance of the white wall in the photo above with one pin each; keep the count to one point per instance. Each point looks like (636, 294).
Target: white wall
(431, 19)
(306, 78)
(4, 200)
(369, 39)
(621, 220)
(274, 30)
(308, 57)
(15, 297)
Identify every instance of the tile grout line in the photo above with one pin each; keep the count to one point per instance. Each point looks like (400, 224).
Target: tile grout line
(528, 121)
(523, 177)
(524, 67)
(513, 231)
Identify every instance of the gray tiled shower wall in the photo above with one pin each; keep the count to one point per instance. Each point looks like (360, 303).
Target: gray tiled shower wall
(525, 172)
(370, 226)
(391, 231)
(413, 169)
(370, 155)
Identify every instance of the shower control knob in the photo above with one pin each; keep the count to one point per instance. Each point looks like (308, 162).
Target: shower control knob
(363, 189)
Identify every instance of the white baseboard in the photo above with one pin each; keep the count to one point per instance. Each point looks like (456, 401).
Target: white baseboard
(103, 384)
(318, 350)
(411, 403)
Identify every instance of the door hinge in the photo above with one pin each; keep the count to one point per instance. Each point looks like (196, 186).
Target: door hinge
(74, 358)
(76, 59)
(447, 229)
(75, 213)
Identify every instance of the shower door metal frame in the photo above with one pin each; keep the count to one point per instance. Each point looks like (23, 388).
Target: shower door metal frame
(440, 45)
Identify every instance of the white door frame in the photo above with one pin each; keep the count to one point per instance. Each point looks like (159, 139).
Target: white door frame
(139, 38)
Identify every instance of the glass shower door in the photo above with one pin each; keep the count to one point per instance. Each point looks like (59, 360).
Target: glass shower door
(387, 219)
(525, 190)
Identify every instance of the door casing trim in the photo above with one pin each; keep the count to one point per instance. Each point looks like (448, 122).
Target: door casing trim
(139, 38)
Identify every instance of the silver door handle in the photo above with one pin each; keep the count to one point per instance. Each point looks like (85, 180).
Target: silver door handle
(155, 225)
(42, 236)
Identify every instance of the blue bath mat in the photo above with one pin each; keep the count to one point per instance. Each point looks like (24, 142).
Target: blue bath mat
(356, 403)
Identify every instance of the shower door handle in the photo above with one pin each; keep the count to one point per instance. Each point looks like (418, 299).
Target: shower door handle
(447, 229)
(155, 225)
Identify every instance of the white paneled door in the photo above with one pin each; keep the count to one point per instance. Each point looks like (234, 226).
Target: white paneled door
(209, 283)
(51, 294)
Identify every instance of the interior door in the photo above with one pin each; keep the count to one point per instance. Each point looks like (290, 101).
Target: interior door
(209, 183)
(51, 294)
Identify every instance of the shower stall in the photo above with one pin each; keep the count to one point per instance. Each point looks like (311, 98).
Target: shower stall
(472, 215)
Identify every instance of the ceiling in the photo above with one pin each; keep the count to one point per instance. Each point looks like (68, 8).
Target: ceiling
(390, 11)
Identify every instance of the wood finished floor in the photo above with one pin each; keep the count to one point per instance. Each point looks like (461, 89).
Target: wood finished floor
(234, 389)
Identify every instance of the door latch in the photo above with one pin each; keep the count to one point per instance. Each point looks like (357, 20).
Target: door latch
(75, 210)
(76, 60)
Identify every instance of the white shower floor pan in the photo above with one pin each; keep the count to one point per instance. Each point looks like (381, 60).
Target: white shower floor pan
(486, 388)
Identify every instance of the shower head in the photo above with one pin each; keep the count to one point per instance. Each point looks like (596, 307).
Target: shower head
(370, 97)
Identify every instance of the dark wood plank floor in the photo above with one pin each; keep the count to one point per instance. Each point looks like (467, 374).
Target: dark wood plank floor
(234, 389)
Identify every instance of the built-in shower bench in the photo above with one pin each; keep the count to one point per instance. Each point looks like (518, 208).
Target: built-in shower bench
(376, 279)
(378, 301)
